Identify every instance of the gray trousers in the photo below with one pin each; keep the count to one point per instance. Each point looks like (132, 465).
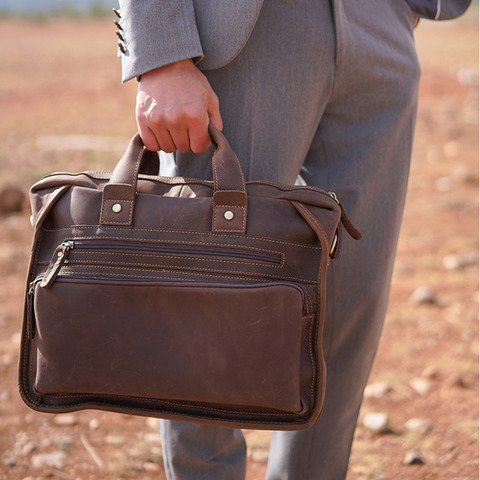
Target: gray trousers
(326, 89)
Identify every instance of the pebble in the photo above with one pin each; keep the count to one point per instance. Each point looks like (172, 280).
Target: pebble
(115, 440)
(152, 437)
(419, 425)
(8, 359)
(376, 422)
(413, 457)
(28, 448)
(458, 381)
(64, 443)
(459, 262)
(431, 372)
(445, 184)
(424, 295)
(151, 467)
(377, 390)
(422, 386)
(65, 420)
(53, 459)
(153, 423)
(94, 424)
(9, 461)
(259, 455)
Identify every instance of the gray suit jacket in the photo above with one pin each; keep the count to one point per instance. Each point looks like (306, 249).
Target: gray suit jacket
(212, 32)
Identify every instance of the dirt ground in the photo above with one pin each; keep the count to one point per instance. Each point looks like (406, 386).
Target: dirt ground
(62, 77)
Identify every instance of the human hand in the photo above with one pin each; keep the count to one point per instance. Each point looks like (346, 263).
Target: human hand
(175, 104)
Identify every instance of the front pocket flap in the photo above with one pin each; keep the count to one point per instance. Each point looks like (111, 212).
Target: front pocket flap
(217, 344)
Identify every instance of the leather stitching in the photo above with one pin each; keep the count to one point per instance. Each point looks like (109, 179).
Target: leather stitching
(199, 259)
(190, 232)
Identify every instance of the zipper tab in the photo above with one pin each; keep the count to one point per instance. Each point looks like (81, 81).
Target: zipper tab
(58, 259)
(30, 316)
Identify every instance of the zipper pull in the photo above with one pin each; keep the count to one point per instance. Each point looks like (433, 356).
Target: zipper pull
(353, 232)
(30, 315)
(58, 259)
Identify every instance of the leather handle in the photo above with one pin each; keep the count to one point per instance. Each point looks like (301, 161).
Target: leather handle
(229, 198)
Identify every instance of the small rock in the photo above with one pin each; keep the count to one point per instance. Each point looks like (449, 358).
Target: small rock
(153, 423)
(419, 425)
(53, 459)
(445, 184)
(94, 424)
(64, 443)
(11, 200)
(424, 295)
(151, 467)
(458, 381)
(8, 359)
(413, 457)
(154, 438)
(28, 448)
(115, 440)
(259, 455)
(467, 77)
(377, 390)
(9, 461)
(421, 385)
(65, 420)
(5, 396)
(376, 422)
(431, 372)
(459, 262)
(16, 338)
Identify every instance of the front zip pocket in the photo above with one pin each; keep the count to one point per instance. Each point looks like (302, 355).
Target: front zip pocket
(107, 252)
(244, 344)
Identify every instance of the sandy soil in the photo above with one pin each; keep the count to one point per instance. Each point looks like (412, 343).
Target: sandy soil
(62, 77)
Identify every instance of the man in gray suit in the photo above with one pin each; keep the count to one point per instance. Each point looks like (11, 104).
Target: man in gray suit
(322, 90)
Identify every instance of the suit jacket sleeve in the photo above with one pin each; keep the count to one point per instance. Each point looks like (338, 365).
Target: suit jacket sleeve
(157, 33)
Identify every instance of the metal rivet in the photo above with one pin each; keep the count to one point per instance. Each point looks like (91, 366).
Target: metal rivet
(228, 215)
(60, 254)
(116, 208)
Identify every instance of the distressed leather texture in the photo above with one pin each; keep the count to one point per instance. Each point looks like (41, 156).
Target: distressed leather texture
(178, 298)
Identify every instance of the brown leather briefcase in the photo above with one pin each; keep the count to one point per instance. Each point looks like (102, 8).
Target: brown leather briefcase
(178, 298)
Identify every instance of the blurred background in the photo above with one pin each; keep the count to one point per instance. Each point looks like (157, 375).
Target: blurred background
(63, 108)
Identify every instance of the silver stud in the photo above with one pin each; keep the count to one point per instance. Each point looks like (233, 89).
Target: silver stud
(116, 208)
(228, 215)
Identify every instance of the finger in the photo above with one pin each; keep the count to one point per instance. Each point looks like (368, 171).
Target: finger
(165, 140)
(148, 138)
(199, 138)
(214, 114)
(180, 139)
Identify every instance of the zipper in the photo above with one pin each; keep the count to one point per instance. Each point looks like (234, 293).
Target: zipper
(62, 252)
(186, 250)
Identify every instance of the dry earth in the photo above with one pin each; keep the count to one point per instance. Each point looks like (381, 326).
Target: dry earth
(62, 77)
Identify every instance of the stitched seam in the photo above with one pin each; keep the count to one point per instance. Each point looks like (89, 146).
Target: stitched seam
(312, 359)
(232, 272)
(217, 213)
(137, 166)
(190, 232)
(160, 256)
(111, 222)
(233, 229)
(247, 248)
